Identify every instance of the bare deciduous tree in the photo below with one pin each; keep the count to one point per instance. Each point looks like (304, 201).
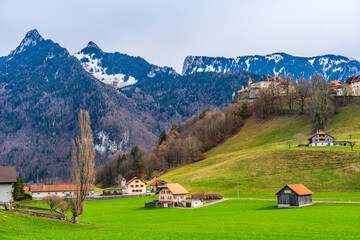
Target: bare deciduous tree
(64, 206)
(118, 180)
(287, 88)
(263, 104)
(302, 91)
(53, 201)
(82, 159)
(300, 138)
(321, 108)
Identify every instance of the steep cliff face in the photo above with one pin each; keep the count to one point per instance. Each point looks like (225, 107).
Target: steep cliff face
(42, 88)
(330, 66)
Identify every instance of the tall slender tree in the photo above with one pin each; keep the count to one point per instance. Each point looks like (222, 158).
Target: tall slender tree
(83, 161)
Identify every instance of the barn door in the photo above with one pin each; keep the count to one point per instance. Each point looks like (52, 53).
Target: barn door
(292, 200)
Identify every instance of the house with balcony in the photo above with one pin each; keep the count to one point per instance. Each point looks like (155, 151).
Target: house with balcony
(321, 139)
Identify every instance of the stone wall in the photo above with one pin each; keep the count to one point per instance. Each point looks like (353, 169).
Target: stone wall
(45, 215)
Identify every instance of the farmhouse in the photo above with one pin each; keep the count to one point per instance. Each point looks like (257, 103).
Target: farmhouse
(7, 178)
(321, 139)
(135, 187)
(38, 192)
(171, 194)
(294, 195)
(156, 184)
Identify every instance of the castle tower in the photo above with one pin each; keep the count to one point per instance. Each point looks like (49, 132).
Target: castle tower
(249, 82)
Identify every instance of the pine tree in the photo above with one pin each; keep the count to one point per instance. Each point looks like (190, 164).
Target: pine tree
(162, 137)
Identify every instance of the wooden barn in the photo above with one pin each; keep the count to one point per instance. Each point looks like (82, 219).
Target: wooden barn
(294, 195)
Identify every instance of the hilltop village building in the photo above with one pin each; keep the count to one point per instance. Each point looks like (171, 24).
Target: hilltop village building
(38, 192)
(351, 87)
(252, 89)
(294, 195)
(7, 179)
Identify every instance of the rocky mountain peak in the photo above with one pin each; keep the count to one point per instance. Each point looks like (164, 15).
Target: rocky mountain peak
(31, 38)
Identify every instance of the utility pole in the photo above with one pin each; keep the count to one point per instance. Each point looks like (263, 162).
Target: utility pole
(238, 191)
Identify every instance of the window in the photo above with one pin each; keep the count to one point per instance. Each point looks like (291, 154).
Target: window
(140, 190)
(133, 190)
(137, 186)
(141, 185)
(136, 181)
(132, 186)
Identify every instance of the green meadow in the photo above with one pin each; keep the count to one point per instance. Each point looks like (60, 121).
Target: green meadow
(253, 164)
(257, 161)
(232, 219)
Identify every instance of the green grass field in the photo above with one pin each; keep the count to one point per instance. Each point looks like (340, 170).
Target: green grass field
(257, 161)
(233, 219)
(254, 164)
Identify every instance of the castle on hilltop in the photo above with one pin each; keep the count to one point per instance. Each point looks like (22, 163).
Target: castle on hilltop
(252, 89)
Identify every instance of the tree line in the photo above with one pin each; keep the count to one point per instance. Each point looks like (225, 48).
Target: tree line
(184, 143)
(313, 97)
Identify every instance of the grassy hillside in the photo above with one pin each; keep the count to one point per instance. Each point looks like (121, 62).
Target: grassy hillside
(257, 161)
(127, 219)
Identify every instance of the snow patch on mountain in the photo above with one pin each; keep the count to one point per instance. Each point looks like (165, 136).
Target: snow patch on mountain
(93, 66)
(275, 57)
(106, 144)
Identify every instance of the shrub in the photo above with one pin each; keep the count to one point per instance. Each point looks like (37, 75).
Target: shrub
(198, 195)
(212, 195)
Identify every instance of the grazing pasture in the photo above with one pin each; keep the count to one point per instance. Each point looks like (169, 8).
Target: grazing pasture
(232, 219)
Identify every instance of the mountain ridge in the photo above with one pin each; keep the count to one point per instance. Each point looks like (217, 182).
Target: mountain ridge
(329, 65)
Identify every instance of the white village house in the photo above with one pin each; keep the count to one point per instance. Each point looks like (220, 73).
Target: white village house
(7, 179)
(38, 192)
(135, 186)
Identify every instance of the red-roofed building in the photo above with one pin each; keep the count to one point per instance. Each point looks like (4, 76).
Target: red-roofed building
(156, 184)
(294, 195)
(38, 192)
(135, 186)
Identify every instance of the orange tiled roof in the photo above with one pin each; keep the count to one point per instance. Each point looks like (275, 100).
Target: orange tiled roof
(335, 83)
(156, 182)
(174, 188)
(300, 189)
(134, 178)
(56, 188)
(26, 189)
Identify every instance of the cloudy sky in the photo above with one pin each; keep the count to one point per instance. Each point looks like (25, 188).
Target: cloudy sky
(164, 32)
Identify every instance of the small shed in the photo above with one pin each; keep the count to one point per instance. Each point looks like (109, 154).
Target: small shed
(294, 195)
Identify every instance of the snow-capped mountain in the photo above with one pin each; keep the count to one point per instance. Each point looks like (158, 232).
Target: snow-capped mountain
(117, 69)
(330, 66)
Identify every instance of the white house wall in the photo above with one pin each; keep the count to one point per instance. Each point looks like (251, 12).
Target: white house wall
(6, 190)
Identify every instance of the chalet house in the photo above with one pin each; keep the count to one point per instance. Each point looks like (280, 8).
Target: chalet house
(321, 139)
(7, 179)
(156, 184)
(171, 194)
(38, 192)
(294, 195)
(135, 187)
